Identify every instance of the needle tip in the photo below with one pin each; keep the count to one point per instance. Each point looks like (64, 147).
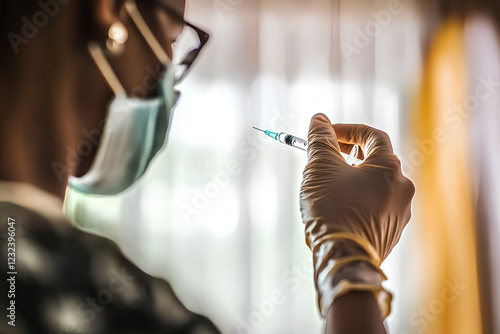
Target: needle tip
(258, 129)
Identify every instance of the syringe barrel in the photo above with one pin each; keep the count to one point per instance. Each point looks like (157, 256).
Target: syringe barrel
(301, 144)
(293, 141)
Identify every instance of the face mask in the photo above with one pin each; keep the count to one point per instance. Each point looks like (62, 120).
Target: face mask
(135, 129)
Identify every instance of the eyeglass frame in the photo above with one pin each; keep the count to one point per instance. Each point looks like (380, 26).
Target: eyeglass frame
(203, 37)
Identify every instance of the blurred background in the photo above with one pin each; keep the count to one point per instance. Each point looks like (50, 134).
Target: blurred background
(218, 213)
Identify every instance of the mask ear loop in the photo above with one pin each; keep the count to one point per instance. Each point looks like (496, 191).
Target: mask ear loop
(103, 64)
(105, 68)
(148, 35)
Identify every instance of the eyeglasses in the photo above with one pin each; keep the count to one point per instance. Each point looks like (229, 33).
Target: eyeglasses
(187, 47)
(189, 43)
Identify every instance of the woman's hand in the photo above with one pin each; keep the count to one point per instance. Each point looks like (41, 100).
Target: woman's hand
(353, 216)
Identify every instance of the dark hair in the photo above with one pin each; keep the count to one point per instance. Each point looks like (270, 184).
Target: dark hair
(14, 15)
(11, 12)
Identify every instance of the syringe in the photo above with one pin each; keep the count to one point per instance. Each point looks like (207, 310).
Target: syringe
(301, 144)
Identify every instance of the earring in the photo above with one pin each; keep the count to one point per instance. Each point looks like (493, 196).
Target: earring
(117, 36)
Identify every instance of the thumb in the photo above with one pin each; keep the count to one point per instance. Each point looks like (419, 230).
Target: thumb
(322, 138)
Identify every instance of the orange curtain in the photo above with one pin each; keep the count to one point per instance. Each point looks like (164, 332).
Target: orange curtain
(445, 213)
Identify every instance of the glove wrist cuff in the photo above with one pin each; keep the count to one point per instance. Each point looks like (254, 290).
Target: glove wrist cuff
(349, 243)
(341, 266)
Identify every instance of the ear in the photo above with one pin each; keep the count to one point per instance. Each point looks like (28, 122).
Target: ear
(104, 13)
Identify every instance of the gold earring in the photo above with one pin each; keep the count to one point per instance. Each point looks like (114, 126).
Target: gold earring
(117, 36)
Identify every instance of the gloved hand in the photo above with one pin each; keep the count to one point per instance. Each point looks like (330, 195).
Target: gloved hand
(353, 216)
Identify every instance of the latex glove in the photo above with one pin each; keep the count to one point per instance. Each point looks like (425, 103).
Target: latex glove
(353, 216)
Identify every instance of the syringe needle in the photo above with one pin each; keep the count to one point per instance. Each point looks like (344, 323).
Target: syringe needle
(258, 129)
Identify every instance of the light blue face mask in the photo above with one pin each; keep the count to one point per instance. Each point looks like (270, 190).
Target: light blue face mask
(135, 130)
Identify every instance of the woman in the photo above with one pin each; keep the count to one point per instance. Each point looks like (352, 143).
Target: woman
(62, 64)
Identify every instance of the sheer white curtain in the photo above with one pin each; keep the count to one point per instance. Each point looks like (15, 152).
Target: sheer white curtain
(218, 214)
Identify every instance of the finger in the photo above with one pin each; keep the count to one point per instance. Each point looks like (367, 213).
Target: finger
(347, 148)
(322, 137)
(375, 143)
